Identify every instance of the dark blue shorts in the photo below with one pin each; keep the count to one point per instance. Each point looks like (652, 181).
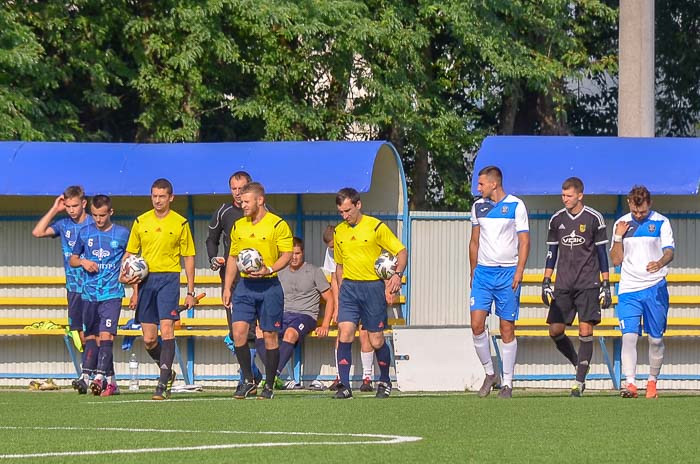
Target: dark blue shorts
(365, 302)
(261, 300)
(159, 296)
(75, 311)
(302, 323)
(101, 316)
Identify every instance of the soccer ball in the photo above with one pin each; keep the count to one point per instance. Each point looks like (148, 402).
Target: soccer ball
(249, 260)
(135, 266)
(385, 265)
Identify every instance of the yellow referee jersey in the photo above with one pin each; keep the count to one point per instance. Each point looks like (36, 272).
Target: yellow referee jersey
(271, 237)
(161, 241)
(358, 247)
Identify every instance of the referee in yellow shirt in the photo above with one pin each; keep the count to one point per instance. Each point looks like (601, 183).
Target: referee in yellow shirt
(358, 242)
(259, 295)
(163, 237)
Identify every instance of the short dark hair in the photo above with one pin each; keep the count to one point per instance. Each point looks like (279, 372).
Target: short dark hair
(347, 192)
(573, 182)
(162, 184)
(328, 233)
(298, 242)
(238, 175)
(74, 191)
(98, 201)
(492, 171)
(639, 195)
(254, 187)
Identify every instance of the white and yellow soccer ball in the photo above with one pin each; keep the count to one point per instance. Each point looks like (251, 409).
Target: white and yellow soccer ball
(249, 260)
(385, 265)
(135, 266)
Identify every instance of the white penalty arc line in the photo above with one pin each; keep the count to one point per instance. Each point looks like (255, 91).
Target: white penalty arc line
(379, 439)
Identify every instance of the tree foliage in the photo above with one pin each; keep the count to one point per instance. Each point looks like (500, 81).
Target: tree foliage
(433, 77)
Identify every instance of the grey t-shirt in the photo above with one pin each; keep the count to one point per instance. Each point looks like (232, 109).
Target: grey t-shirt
(303, 288)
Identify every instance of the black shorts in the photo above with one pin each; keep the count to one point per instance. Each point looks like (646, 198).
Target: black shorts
(567, 303)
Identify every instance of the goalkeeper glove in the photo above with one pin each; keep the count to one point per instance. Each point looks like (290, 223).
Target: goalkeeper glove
(216, 263)
(604, 295)
(547, 291)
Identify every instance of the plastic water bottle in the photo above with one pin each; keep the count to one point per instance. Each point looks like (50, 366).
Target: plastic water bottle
(133, 372)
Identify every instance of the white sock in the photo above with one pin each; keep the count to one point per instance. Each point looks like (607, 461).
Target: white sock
(483, 351)
(510, 351)
(629, 356)
(110, 379)
(656, 356)
(367, 364)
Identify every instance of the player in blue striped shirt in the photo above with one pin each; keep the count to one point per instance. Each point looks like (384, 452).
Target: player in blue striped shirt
(73, 202)
(99, 249)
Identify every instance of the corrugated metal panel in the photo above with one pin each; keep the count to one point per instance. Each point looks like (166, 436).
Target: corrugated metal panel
(439, 268)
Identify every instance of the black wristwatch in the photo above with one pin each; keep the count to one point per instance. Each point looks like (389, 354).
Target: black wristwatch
(400, 274)
(192, 294)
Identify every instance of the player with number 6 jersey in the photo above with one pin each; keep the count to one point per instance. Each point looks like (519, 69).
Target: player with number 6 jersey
(98, 250)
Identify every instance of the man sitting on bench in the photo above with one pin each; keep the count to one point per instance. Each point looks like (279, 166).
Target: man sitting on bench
(304, 285)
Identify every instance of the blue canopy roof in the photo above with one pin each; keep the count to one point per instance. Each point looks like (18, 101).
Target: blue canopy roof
(537, 165)
(46, 168)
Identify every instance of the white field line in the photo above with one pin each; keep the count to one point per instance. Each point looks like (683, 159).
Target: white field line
(373, 439)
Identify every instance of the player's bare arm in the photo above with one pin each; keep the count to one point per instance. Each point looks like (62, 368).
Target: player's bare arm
(231, 270)
(523, 253)
(335, 291)
(656, 266)
(189, 273)
(327, 314)
(394, 282)
(617, 252)
(89, 266)
(473, 252)
(43, 228)
(339, 275)
(277, 266)
(134, 299)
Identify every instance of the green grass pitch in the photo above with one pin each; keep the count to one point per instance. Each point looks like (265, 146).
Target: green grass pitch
(211, 427)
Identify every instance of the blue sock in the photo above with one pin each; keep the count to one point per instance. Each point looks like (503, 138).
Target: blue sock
(104, 360)
(344, 362)
(167, 357)
(384, 360)
(90, 356)
(286, 350)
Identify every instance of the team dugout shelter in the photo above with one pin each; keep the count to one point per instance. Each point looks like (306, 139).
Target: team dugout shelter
(534, 168)
(300, 179)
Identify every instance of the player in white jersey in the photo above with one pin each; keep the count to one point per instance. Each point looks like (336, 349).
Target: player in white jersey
(498, 251)
(643, 244)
